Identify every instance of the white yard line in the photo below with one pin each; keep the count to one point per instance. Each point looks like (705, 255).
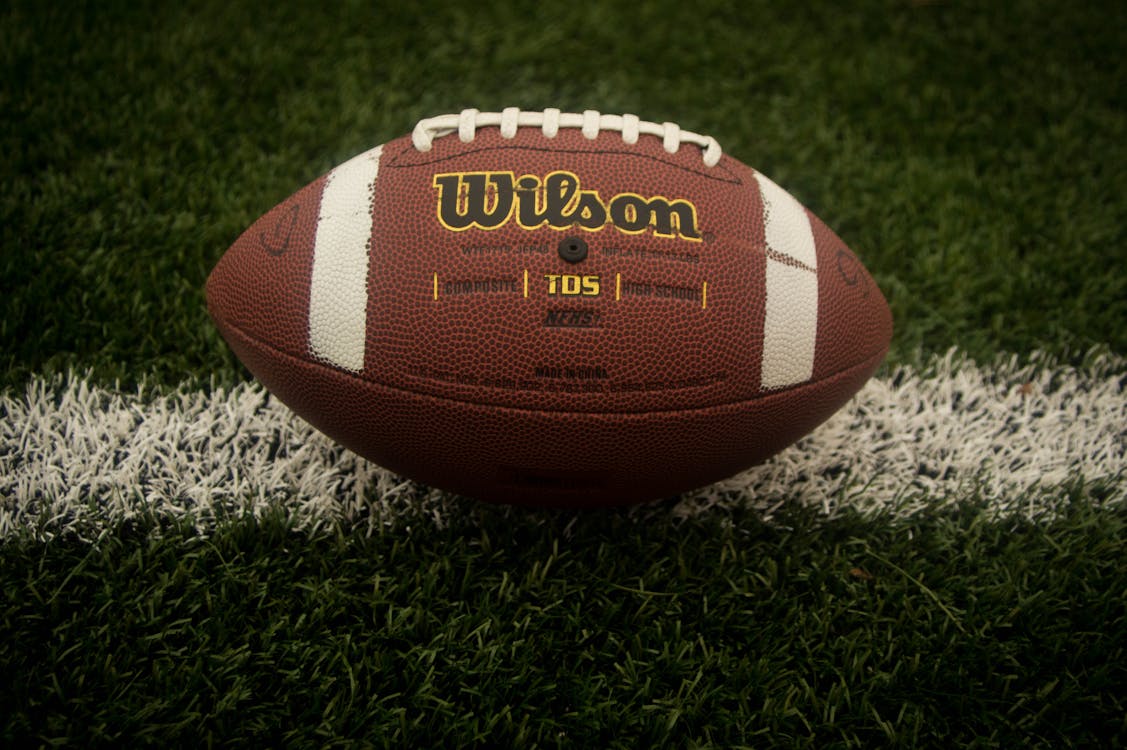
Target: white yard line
(74, 455)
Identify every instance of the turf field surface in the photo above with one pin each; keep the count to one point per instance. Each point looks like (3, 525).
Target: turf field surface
(960, 583)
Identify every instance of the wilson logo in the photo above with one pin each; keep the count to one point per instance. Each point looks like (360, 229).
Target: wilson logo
(490, 200)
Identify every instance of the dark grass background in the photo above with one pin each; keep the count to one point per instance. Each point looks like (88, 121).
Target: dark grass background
(973, 156)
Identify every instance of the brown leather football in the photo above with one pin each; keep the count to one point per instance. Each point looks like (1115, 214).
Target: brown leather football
(551, 309)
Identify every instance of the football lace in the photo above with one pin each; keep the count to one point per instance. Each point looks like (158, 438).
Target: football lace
(551, 120)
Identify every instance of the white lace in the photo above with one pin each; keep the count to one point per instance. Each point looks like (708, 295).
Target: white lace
(551, 120)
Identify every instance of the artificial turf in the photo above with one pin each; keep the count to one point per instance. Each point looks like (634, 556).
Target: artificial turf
(972, 155)
(583, 630)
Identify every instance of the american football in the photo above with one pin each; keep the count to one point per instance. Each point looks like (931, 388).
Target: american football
(551, 308)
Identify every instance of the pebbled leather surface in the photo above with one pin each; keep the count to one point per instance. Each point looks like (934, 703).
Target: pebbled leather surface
(649, 388)
(545, 458)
